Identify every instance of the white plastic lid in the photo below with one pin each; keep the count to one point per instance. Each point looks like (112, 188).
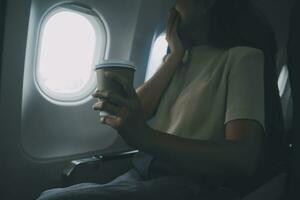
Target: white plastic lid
(115, 63)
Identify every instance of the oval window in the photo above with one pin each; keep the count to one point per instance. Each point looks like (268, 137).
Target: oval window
(158, 52)
(71, 43)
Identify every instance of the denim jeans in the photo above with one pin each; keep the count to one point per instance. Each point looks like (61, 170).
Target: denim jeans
(140, 184)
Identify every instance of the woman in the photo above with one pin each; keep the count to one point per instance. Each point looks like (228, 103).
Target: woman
(209, 107)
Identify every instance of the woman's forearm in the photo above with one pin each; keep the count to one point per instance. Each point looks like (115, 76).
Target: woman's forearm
(199, 157)
(151, 91)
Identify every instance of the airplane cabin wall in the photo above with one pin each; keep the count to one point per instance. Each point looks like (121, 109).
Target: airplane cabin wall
(50, 130)
(30, 163)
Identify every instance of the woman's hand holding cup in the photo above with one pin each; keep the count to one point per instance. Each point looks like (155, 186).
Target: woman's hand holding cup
(119, 104)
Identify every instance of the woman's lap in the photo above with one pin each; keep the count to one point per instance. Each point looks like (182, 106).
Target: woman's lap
(131, 186)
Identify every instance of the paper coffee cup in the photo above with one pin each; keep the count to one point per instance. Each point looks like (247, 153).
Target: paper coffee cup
(122, 68)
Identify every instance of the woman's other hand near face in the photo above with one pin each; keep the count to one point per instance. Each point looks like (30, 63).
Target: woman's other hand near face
(175, 44)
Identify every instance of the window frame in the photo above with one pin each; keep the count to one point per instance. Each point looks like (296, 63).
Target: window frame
(100, 53)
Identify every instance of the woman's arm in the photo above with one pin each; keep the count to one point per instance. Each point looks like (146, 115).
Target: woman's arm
(237, 155)
(151, 91)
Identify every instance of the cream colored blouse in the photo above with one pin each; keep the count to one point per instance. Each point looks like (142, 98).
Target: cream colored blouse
(213, 87)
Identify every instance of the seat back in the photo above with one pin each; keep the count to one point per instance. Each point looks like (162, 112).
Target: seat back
(276, 142)
(275, 148)
(294, 68)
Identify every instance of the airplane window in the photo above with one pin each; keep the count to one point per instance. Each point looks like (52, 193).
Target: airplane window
(68, 51)
(282, 80)
(159, 50)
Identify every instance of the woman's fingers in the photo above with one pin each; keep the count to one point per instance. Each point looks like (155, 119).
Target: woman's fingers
(128, 89)
(116, 99)
(170, 22)
(174, 31)
(112, 121)
(172, 37)
(106, 106)
(113, 98)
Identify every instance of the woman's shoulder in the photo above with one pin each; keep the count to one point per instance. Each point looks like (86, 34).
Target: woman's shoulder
(242, 51)
(245, 57)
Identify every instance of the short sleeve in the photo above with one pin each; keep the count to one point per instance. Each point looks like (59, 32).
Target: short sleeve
(245, 85)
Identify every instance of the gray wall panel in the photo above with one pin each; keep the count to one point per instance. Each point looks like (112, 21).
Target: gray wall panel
(50, 130)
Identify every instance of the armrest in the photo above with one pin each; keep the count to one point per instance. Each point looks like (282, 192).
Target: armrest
(74, 164)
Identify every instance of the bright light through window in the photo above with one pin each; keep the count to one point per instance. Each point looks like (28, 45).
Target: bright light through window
(158, 52)
(283, 79)
(67, 55)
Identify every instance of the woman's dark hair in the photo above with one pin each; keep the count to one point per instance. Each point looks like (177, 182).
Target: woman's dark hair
(240, 23)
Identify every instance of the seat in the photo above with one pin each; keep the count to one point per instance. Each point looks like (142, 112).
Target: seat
(294, 68)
